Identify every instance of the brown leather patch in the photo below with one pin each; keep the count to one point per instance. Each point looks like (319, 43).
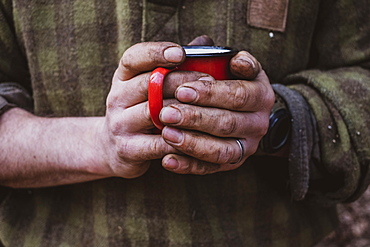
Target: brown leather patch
(268, 14)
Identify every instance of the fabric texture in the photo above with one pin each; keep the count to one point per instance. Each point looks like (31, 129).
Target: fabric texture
(303, 139)
(269, 15)
(4, 105)
(65, 52)
(14, 95)
(341, 106)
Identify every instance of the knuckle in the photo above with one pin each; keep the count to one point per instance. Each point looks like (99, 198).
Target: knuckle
(252, 147)
(111, 102)
(190, 117)
(241, 97)
(203, 168)
(115, 126)
(263, 125)
(121, 151)
(226, 155)
(125, 61)
(201, 171)
(145, 111)
(132, 152)
(229, 128)
(190, 144)
(185, 169)
(270, 96)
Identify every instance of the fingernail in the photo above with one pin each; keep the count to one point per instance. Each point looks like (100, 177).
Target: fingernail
(172, 164)
(170, 115)
(206, 78)
(173, 54)
(172, 135)
(247, 61)
(186, 94)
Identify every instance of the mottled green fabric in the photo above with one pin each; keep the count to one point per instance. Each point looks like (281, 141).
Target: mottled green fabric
(239, 208)
(65, 52)
(340, 102)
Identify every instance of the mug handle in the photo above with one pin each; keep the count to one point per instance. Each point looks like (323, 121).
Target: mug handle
(155, 94)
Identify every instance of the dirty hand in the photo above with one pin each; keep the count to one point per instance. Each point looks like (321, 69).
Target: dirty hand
(126, 136)
(203, 117)
(221, 122)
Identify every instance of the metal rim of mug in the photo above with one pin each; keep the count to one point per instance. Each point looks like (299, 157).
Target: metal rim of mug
(221, 51)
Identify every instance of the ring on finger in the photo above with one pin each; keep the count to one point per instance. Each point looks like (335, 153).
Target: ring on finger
(240, 144)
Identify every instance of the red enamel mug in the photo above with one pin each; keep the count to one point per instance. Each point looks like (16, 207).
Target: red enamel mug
(212, 60)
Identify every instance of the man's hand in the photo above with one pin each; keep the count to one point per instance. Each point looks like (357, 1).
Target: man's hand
(203, 117)
(40, 151)
(217, 113)
(127, 135)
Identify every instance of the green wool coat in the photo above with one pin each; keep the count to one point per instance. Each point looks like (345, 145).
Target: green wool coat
(65, 52)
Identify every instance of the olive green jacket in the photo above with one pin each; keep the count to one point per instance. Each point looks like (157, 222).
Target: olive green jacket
(65, 52)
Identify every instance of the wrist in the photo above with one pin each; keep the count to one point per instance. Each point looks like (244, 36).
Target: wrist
(100, 150)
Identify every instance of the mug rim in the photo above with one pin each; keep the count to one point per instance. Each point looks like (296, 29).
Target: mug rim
(222, 51)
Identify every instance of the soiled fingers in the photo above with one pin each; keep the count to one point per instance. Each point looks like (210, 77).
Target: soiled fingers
(207, 147)
(134, 91)
(236, 95)
(205, 154)
(215, 121)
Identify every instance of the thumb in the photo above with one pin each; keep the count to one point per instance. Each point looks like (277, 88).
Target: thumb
(245, 66)
(147, 56)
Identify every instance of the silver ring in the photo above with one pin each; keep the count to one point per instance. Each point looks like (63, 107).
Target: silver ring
(240, 144)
